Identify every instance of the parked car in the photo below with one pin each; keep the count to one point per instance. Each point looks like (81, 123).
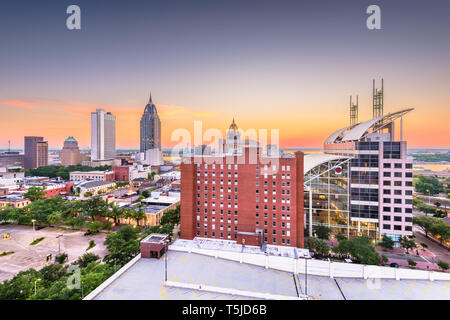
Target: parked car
(394, 265)
(87, 233)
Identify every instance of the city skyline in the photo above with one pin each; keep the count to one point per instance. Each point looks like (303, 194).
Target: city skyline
(289, 67)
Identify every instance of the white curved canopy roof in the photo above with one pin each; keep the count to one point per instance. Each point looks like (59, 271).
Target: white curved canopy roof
(336, 134)
(358, 131)
(313, 160)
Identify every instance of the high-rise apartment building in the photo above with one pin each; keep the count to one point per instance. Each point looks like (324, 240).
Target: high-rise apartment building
(36, 152)
(248, 198)
(103, 135)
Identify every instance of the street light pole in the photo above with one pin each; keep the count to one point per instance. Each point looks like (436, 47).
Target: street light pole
(35, 290)
(59, 244)
(34, 238)
(166, 253)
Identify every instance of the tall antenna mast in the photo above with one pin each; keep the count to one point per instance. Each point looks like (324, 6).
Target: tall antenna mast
(353, 111)
(9, 145)
(378, 100)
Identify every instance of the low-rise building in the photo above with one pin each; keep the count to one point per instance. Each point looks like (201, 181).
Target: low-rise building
(94, 186)
(14, 202)
(92, 176)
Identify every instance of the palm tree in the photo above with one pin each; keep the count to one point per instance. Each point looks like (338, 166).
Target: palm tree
(115, 212)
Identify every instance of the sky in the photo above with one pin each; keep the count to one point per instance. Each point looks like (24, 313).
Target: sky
(286, 65)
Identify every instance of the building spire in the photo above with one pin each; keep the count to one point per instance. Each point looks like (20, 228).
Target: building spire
(150, 100)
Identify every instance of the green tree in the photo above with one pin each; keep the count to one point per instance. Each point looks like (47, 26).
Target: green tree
(62, 258)
(322, 232)
(441, 231)
(94, 226)
(427, 184)
(85, 259)
(114, 212)
(95, 207)
(443, 265)
(34, 193)
(425, 223)
(122, 245)
(359, 248)
(386, 242)
(408, 243)
(412, 263)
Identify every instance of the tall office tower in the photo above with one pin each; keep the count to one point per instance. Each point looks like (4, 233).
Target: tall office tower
(36, 152)
(373, 196)
(103, 135)
(247, 198)
(70, 153)
(150, 128)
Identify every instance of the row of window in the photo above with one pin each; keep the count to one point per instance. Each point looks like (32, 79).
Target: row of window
(274, 208)
(397, 227)
(274, 191)
(397, 218)
(274, 200)
(229, 166)
(213, 234)
(398, 192)
(397, 201)
(397, 210)
(274, 216)
(398, 165)
(397, 174)
(397, 183)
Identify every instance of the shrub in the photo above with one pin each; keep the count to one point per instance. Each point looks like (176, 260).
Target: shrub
(5, 253)
(424, 245)
(107, 225)
(37, 241)
(443, 265)
(91, 244)
(412, 263)
(94, 226)
(62, 258)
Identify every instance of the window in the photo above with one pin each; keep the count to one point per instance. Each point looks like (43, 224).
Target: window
(387, 218)
(398, 166)
(398, 201)
(386, 226)
(397, 227)
(396, 218)
(386, 174)
(398, 174)
(386, 165)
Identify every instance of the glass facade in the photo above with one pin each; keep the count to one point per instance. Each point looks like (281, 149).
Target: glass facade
(330, 196)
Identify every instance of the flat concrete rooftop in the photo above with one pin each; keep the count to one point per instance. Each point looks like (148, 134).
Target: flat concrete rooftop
(145, 281)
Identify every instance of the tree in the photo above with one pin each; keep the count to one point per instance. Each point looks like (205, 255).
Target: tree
(34, 193)
(425, 223)
(408, 242)
(122, 245)
(88, 194)
(443, 265)
(322, 232)
(318, 246)
(359, 248)
(412, 263)
(54, 218)
(62, 258)
(94, 226)
(441, 230)
(384, 259)
(85, 259)
(95, 207)
(427, 184)
(386, 242)
(114, 212)
(139, 215)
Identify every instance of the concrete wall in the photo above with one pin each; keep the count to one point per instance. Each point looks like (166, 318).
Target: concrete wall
(319, 267)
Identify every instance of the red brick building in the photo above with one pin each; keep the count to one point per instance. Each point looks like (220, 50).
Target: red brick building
(121, 173)
(246, 198)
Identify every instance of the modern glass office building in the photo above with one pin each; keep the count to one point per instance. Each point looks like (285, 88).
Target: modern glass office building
(362, 184)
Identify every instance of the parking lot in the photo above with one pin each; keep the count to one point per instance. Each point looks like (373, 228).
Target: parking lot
(25, 256)
(145, 280)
